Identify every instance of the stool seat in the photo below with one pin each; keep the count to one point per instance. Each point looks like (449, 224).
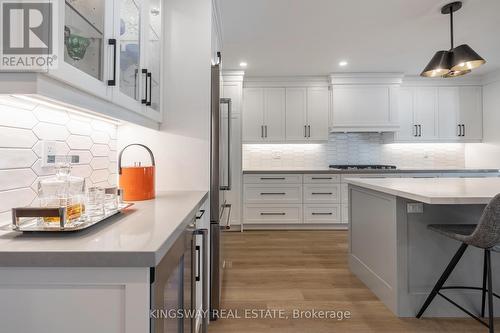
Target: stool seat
(459, 232)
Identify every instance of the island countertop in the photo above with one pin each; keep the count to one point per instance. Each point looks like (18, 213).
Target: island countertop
(435, 190)
(138, 237)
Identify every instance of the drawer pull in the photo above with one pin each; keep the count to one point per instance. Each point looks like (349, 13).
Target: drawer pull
(321, 178)
(321, 193)
(281, 193)
(272, 178)
(273, 214)
(322, 213)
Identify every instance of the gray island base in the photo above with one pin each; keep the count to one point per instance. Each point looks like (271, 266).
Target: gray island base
(399, 259)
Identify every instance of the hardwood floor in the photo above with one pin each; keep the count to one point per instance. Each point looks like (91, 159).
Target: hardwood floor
(307, 270)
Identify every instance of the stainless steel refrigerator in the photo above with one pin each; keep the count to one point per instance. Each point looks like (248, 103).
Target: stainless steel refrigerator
(220, 182)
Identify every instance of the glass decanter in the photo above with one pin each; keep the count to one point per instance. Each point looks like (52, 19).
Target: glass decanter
(62, 191)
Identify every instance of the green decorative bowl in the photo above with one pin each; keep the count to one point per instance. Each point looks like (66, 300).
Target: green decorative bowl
(77, 46)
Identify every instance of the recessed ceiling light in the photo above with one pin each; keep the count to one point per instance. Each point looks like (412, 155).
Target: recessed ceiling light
(343, 63)
(243, 64)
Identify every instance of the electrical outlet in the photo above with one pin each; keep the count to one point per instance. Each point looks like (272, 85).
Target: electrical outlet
(415, 208)
(49, 152)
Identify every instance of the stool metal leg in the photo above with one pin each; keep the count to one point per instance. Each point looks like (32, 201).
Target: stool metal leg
(490, 293)
(451, 266)
(485, 276)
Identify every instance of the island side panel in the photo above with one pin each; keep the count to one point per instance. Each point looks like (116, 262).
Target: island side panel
(423, 255)
(373, 242)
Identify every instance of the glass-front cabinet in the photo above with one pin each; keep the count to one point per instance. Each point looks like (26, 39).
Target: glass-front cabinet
(112, 49)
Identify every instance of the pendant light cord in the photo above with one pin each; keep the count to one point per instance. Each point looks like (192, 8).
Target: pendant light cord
(451, 28)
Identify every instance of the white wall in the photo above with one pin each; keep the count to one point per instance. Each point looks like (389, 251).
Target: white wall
(182, 146)
(487, 154)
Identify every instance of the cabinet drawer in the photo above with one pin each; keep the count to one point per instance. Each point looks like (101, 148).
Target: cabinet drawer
(321, 179)
(322, 214)
(285, 193)
(275, 213)
(272, 179)
(327, 194)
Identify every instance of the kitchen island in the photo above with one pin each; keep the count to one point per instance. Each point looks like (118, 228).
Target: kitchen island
(398, 258)
(96, 280)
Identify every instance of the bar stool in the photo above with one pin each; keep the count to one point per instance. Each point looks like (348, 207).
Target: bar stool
(485, 235)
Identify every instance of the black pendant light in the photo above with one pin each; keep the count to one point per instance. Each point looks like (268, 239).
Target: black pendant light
(458, 60)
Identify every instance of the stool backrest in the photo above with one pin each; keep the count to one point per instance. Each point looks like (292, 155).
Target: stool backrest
(487, 233)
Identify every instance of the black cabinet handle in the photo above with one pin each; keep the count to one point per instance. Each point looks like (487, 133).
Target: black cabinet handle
(272, 178)
(322, 213)
(459, 132)
(265, 129)
(463, 130)
(419, 130)
(202, 212)
(280, 193)
(262, 131)
(308, 131)
(149, 76)
(112, 42)
(321, 178)
(198, 271)
(321, 193)
(273, 214)
(305, 131)
(145, 99)
(416, 130)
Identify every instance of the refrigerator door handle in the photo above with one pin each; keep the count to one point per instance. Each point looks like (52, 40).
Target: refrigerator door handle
(229, 114)
(228, 221)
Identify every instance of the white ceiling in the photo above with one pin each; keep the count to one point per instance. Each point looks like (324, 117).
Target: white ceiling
(310, 37)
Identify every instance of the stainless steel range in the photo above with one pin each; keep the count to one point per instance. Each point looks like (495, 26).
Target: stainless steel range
(363, 167)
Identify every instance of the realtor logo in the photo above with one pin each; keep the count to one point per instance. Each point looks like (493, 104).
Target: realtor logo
(28, 36)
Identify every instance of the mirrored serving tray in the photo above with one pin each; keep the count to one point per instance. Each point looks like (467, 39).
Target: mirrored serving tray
(32, 224)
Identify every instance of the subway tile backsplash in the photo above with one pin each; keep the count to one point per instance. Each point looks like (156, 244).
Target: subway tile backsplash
(23, 127)
(354, 148)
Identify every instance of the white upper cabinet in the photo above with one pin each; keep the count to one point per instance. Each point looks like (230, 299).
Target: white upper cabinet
(274, 114)
(317, 113)
(364, 107)
(253, 114)
(470, 114)
(296, 114)
(440, 114)
(112, 50)
(425, 113)
(263, 114)
(84, 28)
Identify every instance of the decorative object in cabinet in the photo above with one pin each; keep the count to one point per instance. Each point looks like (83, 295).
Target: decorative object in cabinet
(83, 36)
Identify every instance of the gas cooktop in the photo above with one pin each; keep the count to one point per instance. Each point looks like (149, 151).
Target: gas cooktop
(363, 167)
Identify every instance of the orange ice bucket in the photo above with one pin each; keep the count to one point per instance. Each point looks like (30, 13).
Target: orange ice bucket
(137, 182)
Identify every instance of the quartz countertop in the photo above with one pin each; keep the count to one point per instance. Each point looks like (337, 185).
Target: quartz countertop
(138, 237)
(435, 190)
(366, 171)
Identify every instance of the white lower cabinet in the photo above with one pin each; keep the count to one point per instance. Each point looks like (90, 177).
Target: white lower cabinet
(292, 199)
(322, 213)
(273, 213)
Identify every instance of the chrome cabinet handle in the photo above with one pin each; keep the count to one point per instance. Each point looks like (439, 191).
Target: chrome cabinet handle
(228, 221)
(273, 214)
(229, 171)
(270, 193)
(322, 213)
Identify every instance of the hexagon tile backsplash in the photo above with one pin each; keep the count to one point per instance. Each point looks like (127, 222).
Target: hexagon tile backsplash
(23, 127)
